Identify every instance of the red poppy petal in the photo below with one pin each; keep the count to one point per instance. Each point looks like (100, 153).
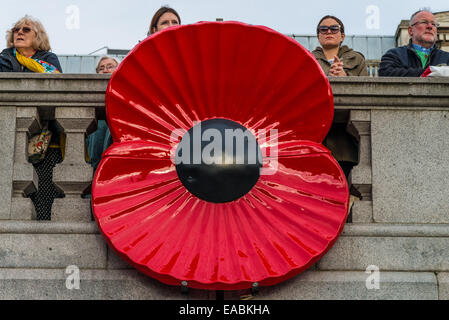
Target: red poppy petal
(250, 74)
(281, 227)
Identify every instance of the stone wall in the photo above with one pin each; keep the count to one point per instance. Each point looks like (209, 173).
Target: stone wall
(400, 227)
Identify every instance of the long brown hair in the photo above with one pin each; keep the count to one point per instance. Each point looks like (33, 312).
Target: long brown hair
(158, 15)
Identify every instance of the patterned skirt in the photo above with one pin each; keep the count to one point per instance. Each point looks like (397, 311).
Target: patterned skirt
(47, 191)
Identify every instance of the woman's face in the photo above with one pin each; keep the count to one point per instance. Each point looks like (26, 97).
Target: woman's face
(24, 36)
(328, 38)
(167, 20)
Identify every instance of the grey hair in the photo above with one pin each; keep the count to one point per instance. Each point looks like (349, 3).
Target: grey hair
(104, 58)
(412, 18)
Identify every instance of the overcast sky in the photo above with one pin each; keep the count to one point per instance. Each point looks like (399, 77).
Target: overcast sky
(83, 26)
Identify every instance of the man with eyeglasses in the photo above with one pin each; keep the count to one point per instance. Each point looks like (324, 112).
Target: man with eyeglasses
(106, 65)
(415, 58)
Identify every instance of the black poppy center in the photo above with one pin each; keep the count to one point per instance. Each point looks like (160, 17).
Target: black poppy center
(218, 160)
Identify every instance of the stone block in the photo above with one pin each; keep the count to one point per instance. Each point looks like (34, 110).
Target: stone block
(50, 284)
(70, 208)
(24, 173)
(52, 251)
(7, 133)
(388, 253)
(360, 116)
(351, 285)
(410, 166)
(443, 286)
(75, 119)
(22, 208)
(361, 174)
(362, 212)
(73, 175)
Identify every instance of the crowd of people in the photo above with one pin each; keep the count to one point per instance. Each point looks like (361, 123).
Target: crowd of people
(28, 50)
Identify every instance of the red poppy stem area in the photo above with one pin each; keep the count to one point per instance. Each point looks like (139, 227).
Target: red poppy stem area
(196, 212)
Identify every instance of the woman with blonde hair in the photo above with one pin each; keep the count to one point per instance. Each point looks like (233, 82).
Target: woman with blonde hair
(28, 49)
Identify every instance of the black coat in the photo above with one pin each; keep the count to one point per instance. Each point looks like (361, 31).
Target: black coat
(404, 62)
(9, 63)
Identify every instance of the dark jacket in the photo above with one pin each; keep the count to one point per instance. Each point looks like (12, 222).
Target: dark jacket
(353, 61)
(9, 63)
(404, 62)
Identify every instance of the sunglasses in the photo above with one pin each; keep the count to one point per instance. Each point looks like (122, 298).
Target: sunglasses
(325, 29)
(24, 29)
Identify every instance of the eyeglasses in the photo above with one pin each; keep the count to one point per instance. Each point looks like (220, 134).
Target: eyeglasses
(325, 29)
(425, 22)
(24, 29)
(107, 67)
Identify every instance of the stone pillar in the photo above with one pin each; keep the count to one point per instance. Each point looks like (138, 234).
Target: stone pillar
(25, 179)
(362, 211)
(7, 131)
(73, 175)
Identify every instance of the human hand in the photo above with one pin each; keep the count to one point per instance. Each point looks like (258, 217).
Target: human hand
(337, 68)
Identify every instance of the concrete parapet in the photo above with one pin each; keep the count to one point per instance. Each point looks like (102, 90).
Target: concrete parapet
(56, 284)
(351, 285)
(7, 133)
(390, 248)
(52, 251)
(401, 225)
(410, 166)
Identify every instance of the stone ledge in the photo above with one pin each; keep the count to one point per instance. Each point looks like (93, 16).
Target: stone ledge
(89, 89)
(52, 251)
(43, 227)
(20, 284)
(350, 230)
(396, 230)
(388, 254)
(351, 285)
(130, 284)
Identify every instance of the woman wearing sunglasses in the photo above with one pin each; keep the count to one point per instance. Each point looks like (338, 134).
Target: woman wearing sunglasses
(337, 60)
(28, 49)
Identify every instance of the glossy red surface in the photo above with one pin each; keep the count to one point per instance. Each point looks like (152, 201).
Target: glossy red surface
(248, 74)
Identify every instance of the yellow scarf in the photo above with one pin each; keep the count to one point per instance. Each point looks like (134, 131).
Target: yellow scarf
(35, 65)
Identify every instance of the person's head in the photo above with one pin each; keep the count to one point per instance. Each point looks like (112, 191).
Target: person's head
(107, 65)
(164, 18)
(423, 28)
(28, 33)
(330, 32)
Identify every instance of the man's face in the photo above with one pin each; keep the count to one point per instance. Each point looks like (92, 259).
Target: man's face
(423, 29)
(107, 66)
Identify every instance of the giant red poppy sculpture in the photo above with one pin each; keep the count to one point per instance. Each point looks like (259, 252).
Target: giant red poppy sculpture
(217, 178)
